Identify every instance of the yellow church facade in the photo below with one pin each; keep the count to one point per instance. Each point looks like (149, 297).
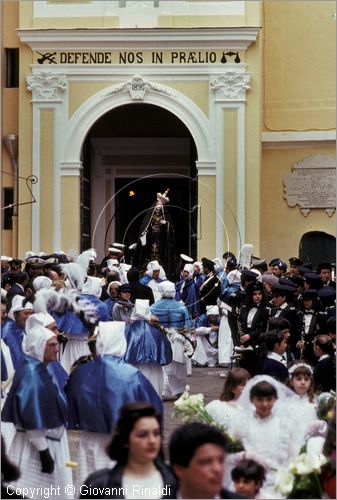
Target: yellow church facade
(229, 104)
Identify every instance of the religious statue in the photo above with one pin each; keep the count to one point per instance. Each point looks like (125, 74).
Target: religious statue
(156, 238)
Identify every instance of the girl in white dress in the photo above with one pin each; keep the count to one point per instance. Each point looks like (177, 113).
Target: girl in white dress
(266, 429)
(226, 410)
(302, 408)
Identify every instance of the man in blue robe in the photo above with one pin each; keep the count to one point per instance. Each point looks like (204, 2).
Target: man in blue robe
(175, 317)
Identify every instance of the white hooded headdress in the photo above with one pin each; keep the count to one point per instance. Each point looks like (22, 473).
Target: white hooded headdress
(34, 342)
(111, 338)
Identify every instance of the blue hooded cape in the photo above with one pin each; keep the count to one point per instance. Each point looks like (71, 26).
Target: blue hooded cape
(96, 391)
(34, 401)
(146, 344)
(12, 335)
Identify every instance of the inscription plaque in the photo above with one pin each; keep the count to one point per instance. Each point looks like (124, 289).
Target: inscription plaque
(312, 184)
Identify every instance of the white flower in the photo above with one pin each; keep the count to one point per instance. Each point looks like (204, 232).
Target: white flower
(303, 464)
(284, 481)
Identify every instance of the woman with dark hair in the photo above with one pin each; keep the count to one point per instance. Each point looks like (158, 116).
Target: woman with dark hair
(274, 344)
(140, 471)
(225, 409)
(253, 320)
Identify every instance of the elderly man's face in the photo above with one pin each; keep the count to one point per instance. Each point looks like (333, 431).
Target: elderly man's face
(51, 350)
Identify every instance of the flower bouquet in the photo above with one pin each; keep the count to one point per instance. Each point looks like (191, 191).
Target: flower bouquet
(301, 478)
(326, 402)
(191, 408)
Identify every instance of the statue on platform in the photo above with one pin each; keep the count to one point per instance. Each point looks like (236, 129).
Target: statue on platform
(156, 237)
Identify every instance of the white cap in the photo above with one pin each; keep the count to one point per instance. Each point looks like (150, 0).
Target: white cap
(34, 342)
(189, 268)
(118, 245)
(4, 257)
(167, 289)
(38, 319)
(212, 310)
(42, 282)
(153, 266)
(114, 250)
(111, 263)
(142, 309)
(111, 338)
(17, 305)
(186, 258)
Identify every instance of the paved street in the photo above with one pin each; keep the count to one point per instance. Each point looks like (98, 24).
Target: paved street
(205, 380)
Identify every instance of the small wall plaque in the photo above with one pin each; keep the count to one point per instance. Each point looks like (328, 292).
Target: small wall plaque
(312, 184)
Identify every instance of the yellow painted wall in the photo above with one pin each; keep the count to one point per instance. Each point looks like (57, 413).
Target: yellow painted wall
(282, 226)
(79, 92)
(253, 160)
(300, 65)
(70, 213)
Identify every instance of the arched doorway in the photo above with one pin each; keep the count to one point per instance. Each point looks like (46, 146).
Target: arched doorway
(130, 153)
(317, 247)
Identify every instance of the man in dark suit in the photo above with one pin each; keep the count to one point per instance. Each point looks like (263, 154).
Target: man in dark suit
(325, 370)
(18, 287)
(211, 287)
(282, 295)
(197, 454)
(138, 291)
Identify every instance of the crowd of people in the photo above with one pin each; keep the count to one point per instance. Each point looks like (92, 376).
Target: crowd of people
(100, 347)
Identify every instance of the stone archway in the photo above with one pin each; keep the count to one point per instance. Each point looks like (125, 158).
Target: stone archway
(137, 89)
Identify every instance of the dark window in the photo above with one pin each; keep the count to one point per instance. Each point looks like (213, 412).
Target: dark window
(12, 68)
(316, 247)
(8, 199)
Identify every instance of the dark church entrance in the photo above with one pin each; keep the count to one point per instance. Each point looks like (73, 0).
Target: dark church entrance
(136, 196)
(130, 154)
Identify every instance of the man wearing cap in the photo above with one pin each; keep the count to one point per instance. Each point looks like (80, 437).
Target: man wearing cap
(279, 268)
(123, 307)
(13, 331)
(114, 253)
(294, 269)
(210, 290)
(324, 270)
(308, 326)
(282, 309)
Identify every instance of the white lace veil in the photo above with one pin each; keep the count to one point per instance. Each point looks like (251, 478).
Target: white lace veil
(284, 395)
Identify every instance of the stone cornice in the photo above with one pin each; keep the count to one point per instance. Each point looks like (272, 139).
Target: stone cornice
(132, 39)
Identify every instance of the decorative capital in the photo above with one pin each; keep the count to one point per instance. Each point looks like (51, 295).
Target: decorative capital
(47, 86)
(231, 85)
(137, 87)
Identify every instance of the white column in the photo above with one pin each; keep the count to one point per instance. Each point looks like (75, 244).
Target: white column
(228, 91)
